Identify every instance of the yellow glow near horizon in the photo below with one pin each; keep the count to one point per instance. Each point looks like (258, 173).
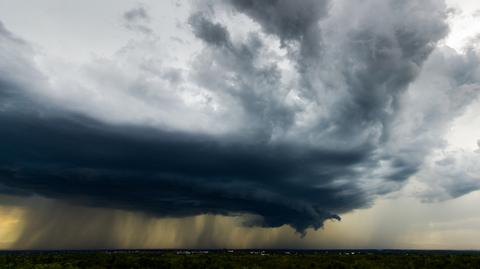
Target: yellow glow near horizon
(10, 225)
(390, 223)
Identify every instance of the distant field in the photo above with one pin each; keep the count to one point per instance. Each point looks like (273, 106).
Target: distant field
(239, 259)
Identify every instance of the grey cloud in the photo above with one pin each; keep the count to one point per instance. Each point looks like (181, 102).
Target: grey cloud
(81, 160)
(363, 68)
(286, 19)
(137, 19)
(367, 66)
(5, 34)
(17, 70)
(172, 174)
(211, 33)
(324, 141)
(136, 14)
(455, 175)
(296, 24)
(371, 67)
(63, 155)
(255, 90)
(448, 85)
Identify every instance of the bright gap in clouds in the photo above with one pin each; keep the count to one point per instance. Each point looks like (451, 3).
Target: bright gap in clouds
(464, 23)
(464, 32)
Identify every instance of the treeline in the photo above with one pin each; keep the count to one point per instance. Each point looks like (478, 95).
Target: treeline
(170, 260)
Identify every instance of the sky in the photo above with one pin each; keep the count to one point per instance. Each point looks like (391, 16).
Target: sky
(239, 124)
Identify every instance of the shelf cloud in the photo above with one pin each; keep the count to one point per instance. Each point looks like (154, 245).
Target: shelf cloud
(315, 111)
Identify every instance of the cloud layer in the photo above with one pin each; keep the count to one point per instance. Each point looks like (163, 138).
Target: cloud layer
(312, 113)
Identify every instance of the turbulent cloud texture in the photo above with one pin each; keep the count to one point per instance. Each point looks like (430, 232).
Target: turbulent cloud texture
(317, 110)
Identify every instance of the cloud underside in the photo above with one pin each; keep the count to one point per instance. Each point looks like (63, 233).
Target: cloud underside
(171, 174)
(294, 145)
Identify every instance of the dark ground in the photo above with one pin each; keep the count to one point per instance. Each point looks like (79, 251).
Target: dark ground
(240, 259)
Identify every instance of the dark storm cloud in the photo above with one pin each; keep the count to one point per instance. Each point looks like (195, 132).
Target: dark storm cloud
(375, 65)
(62, 155)
(378, 64)
(294, 164)
(172, 174)
(366, 67)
